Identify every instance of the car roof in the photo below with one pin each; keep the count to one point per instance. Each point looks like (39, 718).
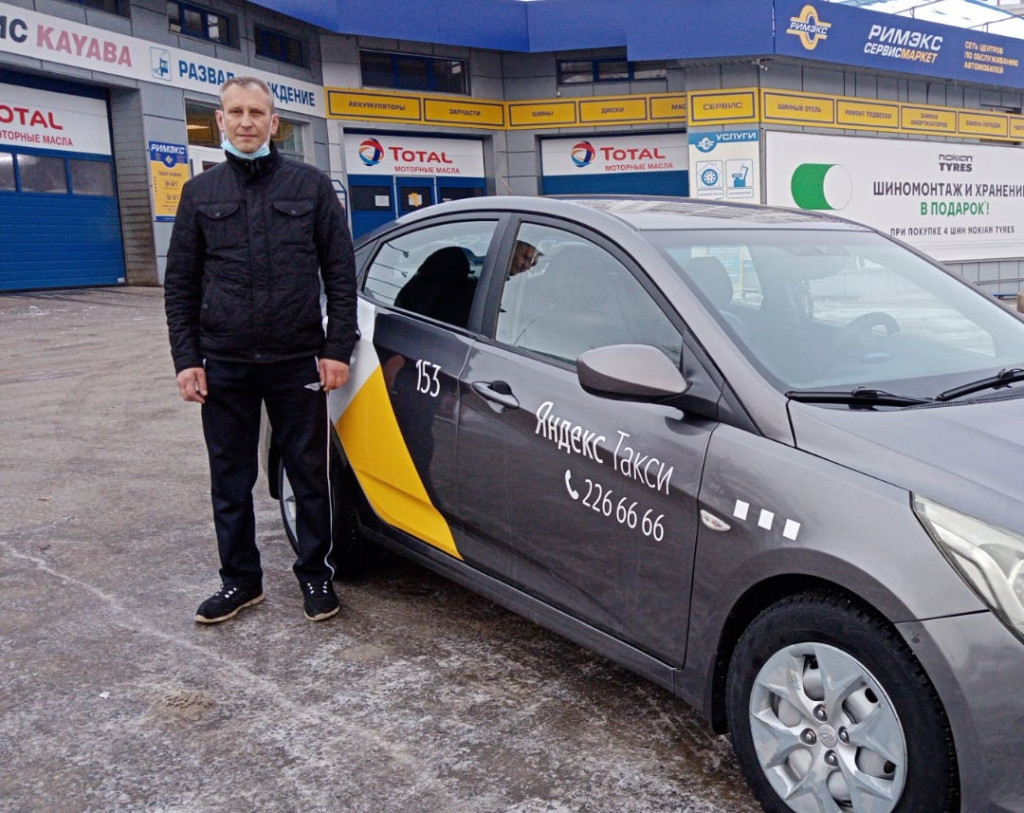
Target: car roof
(646, 213)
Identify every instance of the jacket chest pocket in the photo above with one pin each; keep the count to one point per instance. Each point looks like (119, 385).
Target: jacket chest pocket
(292, 222)
(222, 225)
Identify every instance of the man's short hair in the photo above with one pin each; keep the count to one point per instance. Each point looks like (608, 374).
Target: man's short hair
(248, 83)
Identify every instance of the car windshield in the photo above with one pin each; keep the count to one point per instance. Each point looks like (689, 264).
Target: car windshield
(823, 309)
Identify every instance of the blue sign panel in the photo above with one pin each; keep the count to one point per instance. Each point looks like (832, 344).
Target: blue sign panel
(168, 154)
(895, 44)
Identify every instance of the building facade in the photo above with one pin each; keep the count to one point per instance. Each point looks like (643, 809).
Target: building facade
(106, 108)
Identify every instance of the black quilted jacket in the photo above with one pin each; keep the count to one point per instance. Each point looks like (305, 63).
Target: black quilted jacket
(250, 244)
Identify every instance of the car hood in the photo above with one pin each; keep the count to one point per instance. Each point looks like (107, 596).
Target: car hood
(968, 455)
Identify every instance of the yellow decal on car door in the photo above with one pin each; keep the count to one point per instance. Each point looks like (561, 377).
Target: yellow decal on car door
(373, 442)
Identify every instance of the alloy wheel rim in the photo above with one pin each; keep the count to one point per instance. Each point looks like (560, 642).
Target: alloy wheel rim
(826, 734)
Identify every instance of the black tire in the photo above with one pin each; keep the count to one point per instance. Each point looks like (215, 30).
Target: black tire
(814, 753)
(350, 552)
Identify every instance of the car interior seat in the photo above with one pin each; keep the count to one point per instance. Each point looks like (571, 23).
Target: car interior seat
(783, 344)
(711, 278)
(441, 288)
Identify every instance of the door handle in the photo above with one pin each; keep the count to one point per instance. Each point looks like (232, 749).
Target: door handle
(498, 391)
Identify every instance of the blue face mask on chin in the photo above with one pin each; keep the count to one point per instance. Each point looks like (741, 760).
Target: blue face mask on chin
(262, 152)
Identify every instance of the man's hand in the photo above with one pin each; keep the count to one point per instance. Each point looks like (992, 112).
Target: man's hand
(192, 384)
(333, 374)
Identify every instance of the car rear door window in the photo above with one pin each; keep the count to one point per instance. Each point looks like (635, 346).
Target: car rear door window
(433, 271)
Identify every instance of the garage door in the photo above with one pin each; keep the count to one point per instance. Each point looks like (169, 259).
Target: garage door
(59, 220)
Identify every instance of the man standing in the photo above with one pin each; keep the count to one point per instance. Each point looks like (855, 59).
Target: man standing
(254, 240)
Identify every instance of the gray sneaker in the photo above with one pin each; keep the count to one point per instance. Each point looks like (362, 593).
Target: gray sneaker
(227, 601)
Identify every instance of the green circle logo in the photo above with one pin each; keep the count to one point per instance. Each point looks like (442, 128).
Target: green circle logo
(821, 186)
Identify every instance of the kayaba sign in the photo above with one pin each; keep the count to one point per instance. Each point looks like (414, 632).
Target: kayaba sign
(39, 36)
(53, 121)
(603, 156)
(391, 155)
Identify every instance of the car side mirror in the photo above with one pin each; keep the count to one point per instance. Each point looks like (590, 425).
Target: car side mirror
(630, 372)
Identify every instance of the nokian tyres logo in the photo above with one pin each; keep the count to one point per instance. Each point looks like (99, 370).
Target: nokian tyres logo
(809, 27)
(821, 186)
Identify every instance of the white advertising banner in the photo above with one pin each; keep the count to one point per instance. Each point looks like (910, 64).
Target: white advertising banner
(39, 36)
(725, 166)
(53, 121)
(954, 201)
(614, 154)
(399, 155)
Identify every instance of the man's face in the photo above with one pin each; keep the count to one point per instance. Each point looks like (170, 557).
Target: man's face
(523, 259)
(246, 118)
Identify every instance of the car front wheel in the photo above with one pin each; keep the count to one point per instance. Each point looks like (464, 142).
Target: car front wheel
(829, 710)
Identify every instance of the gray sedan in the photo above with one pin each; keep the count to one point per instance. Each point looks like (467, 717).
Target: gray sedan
(770, 460)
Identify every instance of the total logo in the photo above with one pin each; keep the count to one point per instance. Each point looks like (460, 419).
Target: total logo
(583, 154)
(808, 27)
(370, 152)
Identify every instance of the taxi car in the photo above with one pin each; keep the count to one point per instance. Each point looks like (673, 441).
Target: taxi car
(769, 459)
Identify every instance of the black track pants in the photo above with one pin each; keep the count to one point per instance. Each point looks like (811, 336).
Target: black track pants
(297, 409)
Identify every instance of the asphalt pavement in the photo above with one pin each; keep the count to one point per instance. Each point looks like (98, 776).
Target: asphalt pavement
(418, 696)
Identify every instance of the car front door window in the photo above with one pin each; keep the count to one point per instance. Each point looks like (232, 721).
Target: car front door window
(564, 294)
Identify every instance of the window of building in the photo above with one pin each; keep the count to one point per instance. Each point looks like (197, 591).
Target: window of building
(7, 172)
(289, 139)
(201, 124)
(196, 21)
(411, 72)
(610, 69)
(460, 192)
(120, 7)
(49, 174)
(91, 177)
(371, 198)
(275, 45)
(642, 71)
(43, 173)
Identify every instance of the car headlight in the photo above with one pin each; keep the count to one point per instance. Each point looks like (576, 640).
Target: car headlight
(990, 559)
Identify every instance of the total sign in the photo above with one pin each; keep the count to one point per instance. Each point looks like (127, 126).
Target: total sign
(605, 156)
(53, 121)
(391, 155)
